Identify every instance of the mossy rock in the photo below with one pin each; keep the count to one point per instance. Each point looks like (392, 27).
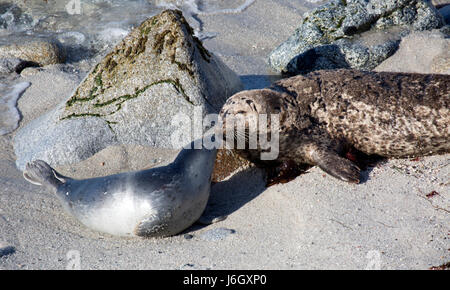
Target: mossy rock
(155, 73)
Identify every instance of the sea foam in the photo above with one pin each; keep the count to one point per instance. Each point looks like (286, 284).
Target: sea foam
(9, 114)
(194, 8)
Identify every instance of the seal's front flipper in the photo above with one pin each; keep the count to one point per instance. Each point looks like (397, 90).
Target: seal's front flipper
(40, 173)
(335, 165)
(154, 225)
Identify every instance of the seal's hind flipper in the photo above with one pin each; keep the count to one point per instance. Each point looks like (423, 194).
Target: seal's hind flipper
(40, 173)
(335, 165)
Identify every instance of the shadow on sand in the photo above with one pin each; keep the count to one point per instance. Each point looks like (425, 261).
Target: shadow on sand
(230, 195)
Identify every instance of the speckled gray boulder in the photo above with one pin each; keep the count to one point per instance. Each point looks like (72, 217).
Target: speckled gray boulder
(352, 34)
(38, 50)
(131, 97)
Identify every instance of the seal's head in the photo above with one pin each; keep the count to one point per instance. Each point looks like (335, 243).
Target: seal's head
(243, 110)
(256, 110)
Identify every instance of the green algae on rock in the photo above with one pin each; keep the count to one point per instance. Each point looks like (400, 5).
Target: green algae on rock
(162, 50)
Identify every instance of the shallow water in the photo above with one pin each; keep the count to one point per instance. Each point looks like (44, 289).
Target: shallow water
(90, 27)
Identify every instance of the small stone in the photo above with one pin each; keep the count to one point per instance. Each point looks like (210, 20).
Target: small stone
(187, 266)
(188, 236)
(30, 71)
(217, 234)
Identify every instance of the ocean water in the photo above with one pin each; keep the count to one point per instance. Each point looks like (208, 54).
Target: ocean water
(96, 25)
(9, 114)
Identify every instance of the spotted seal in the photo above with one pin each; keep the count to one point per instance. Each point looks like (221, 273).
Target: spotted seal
(157, 202)
(325, 113)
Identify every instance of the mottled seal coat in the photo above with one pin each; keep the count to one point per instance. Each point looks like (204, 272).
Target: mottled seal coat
(157, 202)
(325, 113)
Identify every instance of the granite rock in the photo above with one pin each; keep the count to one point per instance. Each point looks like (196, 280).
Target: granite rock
(34, 50)
(6, 249)
(352, 34)
(159, 71)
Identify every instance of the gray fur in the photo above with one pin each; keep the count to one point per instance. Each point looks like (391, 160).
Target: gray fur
(157, 202)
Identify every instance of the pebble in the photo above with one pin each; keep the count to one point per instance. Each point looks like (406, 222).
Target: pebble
(217, 234)
(188, 236)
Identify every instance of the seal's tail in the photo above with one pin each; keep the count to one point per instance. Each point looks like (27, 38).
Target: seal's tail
(40, 173)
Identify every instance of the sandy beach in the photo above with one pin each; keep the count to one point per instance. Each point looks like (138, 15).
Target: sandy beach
(389, 221)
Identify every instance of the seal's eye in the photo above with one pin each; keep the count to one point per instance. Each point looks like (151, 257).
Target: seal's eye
(240, 112)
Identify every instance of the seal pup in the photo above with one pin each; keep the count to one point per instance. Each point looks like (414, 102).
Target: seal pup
(325, 113)
(157, 202)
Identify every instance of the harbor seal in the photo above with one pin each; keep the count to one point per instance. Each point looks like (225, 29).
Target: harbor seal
(157, 202)
(325, 113)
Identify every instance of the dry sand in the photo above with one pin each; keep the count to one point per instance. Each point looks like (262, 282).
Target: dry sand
(312, 222)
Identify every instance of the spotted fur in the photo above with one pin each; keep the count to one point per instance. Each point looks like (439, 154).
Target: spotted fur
(326, 112)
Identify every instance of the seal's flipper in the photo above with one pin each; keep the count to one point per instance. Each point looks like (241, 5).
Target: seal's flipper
(40, 173)
(335, 165)
(151, 226)
(31, 179)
